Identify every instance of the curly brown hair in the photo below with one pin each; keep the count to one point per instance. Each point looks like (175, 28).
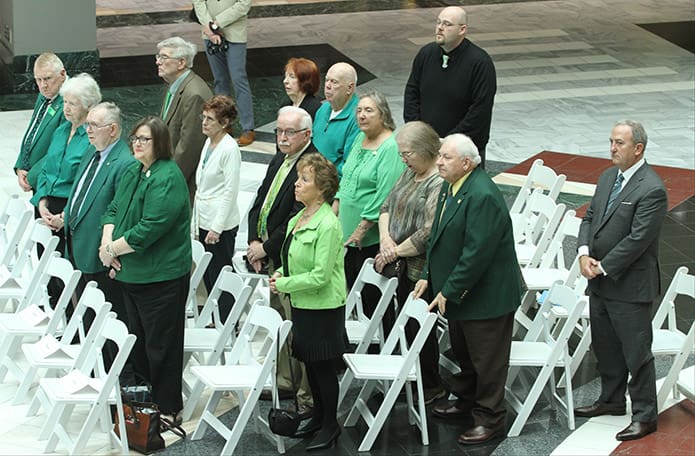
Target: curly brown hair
(325, 174)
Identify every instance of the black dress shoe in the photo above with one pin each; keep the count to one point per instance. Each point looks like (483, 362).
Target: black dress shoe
(450, 410)
(481, 434)
(324, 440)
(308, 429)
(636, 430)
(598, 409)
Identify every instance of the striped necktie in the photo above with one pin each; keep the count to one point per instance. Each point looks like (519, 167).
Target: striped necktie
(615, 191)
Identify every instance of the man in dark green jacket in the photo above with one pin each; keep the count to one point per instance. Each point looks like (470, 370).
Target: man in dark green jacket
(473, 274)
(49, 74)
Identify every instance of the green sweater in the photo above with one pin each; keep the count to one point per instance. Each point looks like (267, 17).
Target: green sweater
(151, 210)
(314, 276)
(368, 177)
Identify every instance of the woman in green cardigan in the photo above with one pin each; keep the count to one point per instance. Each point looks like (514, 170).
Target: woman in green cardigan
(313, 276)
(147, 244)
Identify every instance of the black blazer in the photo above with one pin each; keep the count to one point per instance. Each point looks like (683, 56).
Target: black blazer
(283, 209)
(626, 239)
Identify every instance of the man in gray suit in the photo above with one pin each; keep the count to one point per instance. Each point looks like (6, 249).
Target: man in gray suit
(619, 254)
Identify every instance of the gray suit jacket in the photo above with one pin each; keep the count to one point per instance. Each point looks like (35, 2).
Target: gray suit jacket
(626, 238)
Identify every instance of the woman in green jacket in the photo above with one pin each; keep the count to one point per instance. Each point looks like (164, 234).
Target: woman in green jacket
(147, 244)
(313, 277)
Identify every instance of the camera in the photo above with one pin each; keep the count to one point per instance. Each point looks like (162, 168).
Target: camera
(212, 48)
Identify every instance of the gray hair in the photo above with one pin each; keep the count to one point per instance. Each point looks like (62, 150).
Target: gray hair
(84, 87)
(464, 146)
(304, 117)
(181, 48)
(421, 139)
(112, 113)
(383, 106)
(639, 135)
(50, 60)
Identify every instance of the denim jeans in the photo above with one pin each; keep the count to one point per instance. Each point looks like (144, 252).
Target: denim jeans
(230, 66)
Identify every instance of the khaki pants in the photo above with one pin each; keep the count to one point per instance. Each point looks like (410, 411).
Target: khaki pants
(281, 303)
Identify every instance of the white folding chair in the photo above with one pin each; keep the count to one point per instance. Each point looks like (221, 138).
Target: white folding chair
(14, 221)
(539, 177)
(668, 339)
(28, 267)
(61, 395)
(34, 321)
(537, 226)
(58, 356)
(210, 344)
(359, 328)
(244, 372)
(201, 261)
(398, 364)
(545, 355)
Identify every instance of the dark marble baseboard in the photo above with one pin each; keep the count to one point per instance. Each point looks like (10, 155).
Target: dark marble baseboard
(679, 33)
(18, 77)
(305, 9)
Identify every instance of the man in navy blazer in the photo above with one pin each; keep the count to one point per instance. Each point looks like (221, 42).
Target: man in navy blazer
(93, 190)
(619, 254)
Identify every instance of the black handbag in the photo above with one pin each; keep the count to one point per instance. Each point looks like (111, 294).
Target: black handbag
(284, 421)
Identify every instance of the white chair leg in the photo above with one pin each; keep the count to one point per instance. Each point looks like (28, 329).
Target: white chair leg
(25, 385)
(192, 400)
(209, 409)
(381, 415)
(530, 402)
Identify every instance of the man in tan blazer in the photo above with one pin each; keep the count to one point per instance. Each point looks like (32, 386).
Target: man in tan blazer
(183, 103)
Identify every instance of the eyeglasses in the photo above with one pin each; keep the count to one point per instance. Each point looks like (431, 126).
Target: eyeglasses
(288, 133)
(206, 119)
(445, 24)
(93, 126)
(162, 58)
(139, 139)
(406, 153)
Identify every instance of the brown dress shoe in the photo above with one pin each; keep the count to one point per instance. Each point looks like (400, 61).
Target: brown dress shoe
(598, 409)
(481, 434)
(246, 138)
(450, 410)
(636, 430)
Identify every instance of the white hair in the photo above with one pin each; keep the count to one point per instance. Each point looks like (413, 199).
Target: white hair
(181, 48)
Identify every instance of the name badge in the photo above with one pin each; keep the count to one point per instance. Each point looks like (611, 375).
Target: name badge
(51, 111)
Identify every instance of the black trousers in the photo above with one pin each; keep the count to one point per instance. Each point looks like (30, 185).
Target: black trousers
(55, 287)
(482, 349)
(156, 315)
(222, 254)
(621, 335)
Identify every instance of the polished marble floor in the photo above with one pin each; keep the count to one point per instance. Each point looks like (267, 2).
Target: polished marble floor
(566, 71)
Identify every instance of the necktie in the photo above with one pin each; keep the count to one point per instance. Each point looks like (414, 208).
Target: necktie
(445, 61)
(91, 171)
(29, 140)
(165, 108)
(447, 203)
(615, 191)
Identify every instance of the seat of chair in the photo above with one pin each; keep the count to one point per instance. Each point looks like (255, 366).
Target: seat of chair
(64, 358)
(356, 329)
(202, 340)
(15, 324)
(225, 378)
(543, 278)
(561, 312)
(56, 392)
(376, 367)
(667, 342)
(525, 353)
(686, 382)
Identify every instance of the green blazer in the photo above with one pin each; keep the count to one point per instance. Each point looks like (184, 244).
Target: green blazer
(314, 275)
(54, 117)
(86, 231)
(470, 254)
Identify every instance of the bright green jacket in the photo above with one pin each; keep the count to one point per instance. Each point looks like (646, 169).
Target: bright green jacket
(314, 275)
(152, 211)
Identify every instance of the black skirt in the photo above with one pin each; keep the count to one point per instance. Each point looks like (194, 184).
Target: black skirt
(318, 335)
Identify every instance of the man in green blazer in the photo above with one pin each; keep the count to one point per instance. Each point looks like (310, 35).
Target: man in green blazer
(93, 190)
(49, 74)
(473, 274)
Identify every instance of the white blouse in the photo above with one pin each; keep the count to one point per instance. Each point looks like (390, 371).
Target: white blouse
(217, 179)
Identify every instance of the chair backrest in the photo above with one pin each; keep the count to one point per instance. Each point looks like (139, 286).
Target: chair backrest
(249, 349)
(541, 217)
(538, 176)
(14, 221)
(61, 269)
(575, 280)
(554, 256)
(92, 298)
(28, 261)
(417, 310)
(541, 328)
(682, 284)
(117, 332)
(230, 282)
(201, 261)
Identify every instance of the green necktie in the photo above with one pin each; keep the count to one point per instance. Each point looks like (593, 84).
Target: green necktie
(272, 193)
(167, 100)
